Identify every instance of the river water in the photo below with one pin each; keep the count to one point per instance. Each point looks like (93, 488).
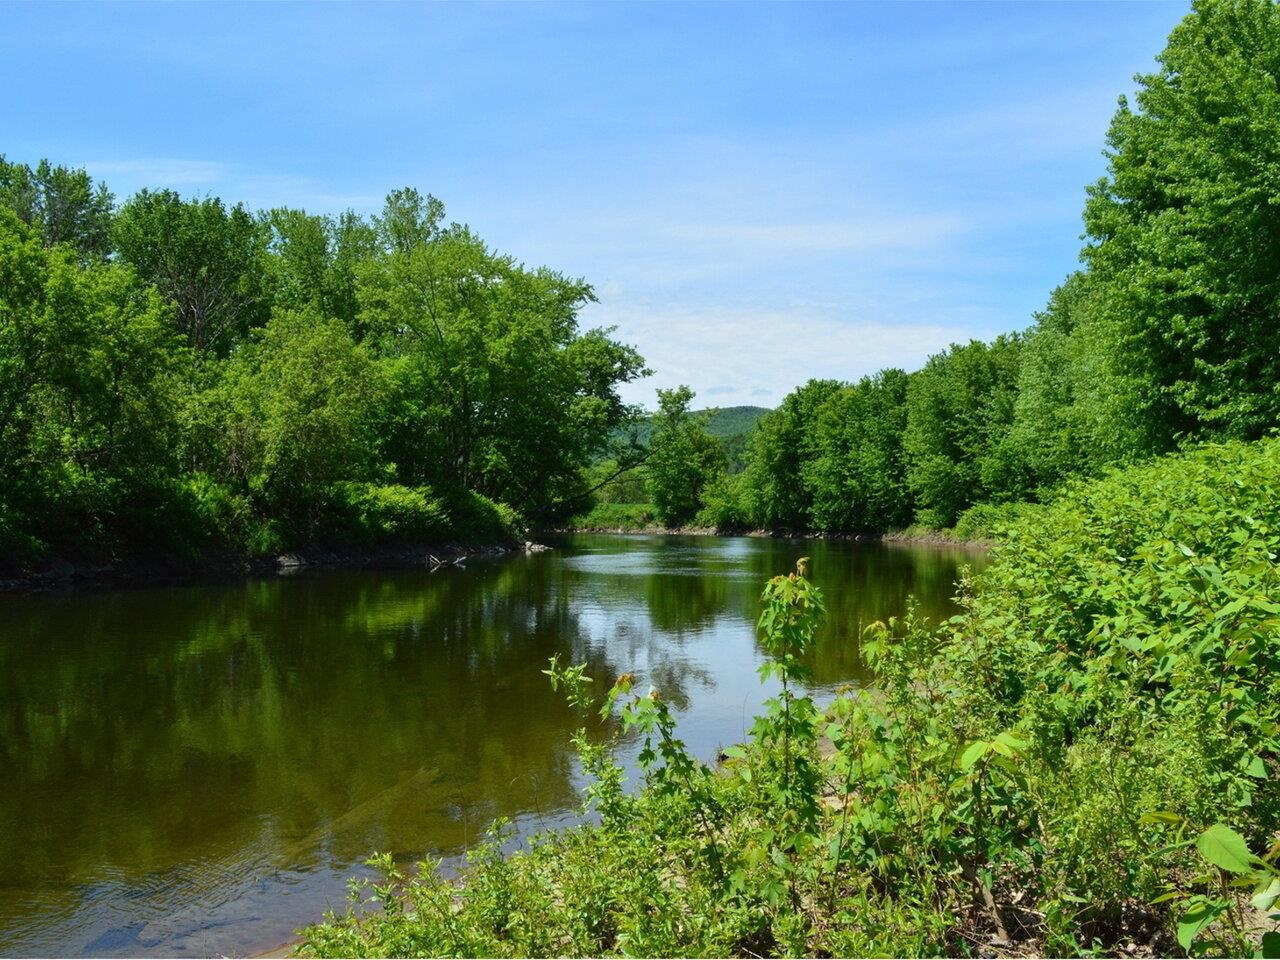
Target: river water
(196, 770)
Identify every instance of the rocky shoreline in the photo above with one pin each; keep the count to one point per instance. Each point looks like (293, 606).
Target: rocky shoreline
(60, 573)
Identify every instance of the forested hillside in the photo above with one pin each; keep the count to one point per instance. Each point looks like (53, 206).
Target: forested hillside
(1165, 337)
(180, 378)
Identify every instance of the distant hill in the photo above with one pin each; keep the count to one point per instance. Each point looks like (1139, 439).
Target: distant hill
(725, 422)
(730, 425)
(729, 422)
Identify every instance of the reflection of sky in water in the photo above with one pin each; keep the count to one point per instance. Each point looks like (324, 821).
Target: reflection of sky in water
(197, 770)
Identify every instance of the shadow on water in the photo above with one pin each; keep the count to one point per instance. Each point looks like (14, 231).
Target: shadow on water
(195, 770)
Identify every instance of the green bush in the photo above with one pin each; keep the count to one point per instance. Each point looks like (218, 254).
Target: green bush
(372, 514)
(988, 521)
(367, 513)
(475, 518)
(617, 516)
(722, 504)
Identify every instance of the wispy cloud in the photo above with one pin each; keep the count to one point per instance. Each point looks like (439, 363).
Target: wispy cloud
(760, 355)
(161, 171)
(849, 236)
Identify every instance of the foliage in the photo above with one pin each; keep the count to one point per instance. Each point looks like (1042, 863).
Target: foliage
(378, 514)
(63, 204)
(722, 504)
(617, 516)
(492, 386)
(684, 459)
(1182, 232)
(989, 521)
(88, 366)
(776, 495)
(293, 414)
(858, 474)
(959, 407)
(1164, 339)
(730, 425)
(227, 382)
(208, 260)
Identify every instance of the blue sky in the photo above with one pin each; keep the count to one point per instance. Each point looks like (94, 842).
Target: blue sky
(760, 193)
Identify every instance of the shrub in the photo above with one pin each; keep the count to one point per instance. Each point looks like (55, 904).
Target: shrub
(617, 516)
(365, 513)
(988, 521)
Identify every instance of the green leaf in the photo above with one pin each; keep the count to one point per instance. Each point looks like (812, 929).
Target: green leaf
(975, 752)
(1271, 946)
(1256, 768)
(1264, 899)
(1223, 847)
(1195, 920)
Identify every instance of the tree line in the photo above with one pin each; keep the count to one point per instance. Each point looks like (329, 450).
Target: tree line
(182, 376)
(1167, 336)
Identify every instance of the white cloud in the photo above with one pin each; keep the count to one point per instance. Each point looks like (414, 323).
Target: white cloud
(757, 356)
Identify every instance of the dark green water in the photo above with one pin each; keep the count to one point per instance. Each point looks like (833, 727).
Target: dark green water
(195, 770)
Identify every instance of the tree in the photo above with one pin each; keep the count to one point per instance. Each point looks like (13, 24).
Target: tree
(88, 367)
(210, 261)
(959, 407)
(63, 203)
(684, 458)
(858, 475)
(1184, 234)
(295, 413)
(776, 495)
(316, 261)
(493, 385)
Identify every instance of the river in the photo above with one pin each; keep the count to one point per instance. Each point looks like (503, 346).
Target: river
(196, 770)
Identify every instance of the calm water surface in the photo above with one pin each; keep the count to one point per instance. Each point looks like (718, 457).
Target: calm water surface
(196, 770)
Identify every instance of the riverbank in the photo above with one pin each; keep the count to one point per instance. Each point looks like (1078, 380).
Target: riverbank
(59, 573)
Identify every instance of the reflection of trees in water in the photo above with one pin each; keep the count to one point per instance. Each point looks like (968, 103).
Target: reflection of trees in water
(284, 723)
(687, 601)
(343, 713)
(862, 583)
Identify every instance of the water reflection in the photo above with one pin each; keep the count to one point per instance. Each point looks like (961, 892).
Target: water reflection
(196, 769)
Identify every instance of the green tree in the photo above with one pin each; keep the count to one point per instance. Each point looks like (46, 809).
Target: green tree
(63, 203)
(317, 259)
(88, 374)
(684, 458)
(493, 385)
(775, 494)
(295, 413)
(210, 261)
(858, 475)
(1184, 233)
(959, 408)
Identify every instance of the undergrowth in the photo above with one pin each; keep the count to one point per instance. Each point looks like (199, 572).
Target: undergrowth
(1083, 762)
(617, 516)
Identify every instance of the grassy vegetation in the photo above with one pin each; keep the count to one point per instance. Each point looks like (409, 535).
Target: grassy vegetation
(616, 516)
(1083, 762)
